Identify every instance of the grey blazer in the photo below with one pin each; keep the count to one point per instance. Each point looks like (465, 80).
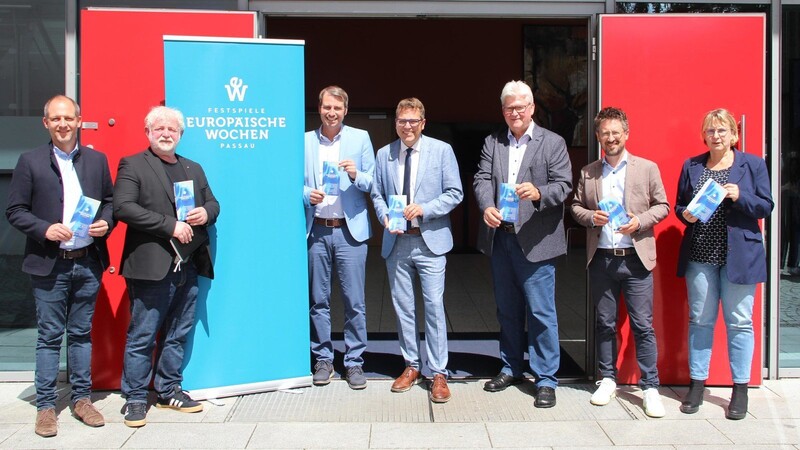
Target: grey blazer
(437, 190)
(540, 227)
(644, 196)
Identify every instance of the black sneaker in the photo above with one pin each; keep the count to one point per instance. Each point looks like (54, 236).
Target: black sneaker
(323, 372)
(135, 414)
(179, 401)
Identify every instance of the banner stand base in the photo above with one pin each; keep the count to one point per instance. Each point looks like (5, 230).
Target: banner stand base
(250, 388)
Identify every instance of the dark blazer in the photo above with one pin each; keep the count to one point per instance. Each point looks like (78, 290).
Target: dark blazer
(145, 200)
(644, 197)
(747, 259)
(36, 201)
(540, 228)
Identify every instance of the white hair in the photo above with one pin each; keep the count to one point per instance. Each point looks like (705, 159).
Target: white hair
(516, 89)
(163, 113)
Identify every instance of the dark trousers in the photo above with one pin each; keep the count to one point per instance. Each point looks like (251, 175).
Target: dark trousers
(608, 277)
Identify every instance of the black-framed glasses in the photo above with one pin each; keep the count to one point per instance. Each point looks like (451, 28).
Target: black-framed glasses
(508, 110)
(412, 122)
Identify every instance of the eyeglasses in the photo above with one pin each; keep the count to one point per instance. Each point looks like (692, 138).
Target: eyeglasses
(613, 134)
(508, 110)
(412, 122)
(722, 132)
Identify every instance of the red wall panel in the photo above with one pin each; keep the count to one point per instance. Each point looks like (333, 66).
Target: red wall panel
(121, 78)
(666, 72)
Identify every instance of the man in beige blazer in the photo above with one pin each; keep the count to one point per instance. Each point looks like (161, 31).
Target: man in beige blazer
(620, 198)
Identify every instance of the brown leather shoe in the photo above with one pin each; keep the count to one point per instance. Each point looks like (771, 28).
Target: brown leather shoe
(406, 380)
(440, 393)
(46, 422)
(87, 413)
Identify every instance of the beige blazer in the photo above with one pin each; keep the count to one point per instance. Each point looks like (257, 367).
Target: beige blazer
(644, 197)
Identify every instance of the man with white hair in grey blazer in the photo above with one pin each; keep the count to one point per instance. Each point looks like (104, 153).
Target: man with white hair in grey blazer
(535, 163)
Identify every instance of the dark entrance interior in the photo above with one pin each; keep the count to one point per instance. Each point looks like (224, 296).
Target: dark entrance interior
(457, 67)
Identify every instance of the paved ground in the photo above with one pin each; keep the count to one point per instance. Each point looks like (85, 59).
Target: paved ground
(336, 417)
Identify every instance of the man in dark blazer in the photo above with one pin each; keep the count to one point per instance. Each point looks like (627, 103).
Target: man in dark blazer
(535, 162)
(65, 264)
(620, 258)
(162, 288)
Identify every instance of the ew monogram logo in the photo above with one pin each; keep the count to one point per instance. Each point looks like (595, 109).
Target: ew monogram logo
(236, 89)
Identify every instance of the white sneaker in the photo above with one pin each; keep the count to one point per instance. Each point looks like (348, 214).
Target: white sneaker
(605, 392)
(652, 403)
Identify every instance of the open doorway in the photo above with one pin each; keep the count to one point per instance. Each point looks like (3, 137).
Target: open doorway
(457, 67)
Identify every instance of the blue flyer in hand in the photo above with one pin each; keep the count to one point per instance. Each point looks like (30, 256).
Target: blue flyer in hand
(330, 177)
(397, 203)
(708, 198)
(84, 216)
(617, 216)
(508, 202)
(184, 198)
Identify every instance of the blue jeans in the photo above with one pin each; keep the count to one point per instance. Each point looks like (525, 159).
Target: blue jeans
(525, 290)
(164, 308)
(610, 276)
(65, 299)
(707, 287)
(330, 248)
(411, 257)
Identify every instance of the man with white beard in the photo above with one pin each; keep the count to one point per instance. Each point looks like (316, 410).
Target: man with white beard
(162, 287)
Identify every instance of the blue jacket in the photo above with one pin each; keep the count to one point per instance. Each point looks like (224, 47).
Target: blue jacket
(747, 259)
(356, 145)
(437, 190)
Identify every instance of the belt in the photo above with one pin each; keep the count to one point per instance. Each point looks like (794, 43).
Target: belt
(618, 251)
(330, 223)
(413, 230)
(73, 254)
(508, 227)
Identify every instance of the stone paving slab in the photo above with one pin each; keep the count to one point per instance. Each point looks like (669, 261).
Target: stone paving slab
(70, 435)
(335, 402)
(428, 435)
(549, 434)
(297, 435)
(663, 432)
(191, 435)
(768, 431)
(470, 403)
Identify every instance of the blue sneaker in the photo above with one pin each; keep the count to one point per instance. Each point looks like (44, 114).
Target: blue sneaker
(323, 372)
(355, 378)
(135, 414)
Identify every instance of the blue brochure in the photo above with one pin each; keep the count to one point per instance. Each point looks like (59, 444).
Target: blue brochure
(84, 216)
(508, 202)
(617, 216)
(184, 198)
(708, 198)
(397, 222)
(330, 177)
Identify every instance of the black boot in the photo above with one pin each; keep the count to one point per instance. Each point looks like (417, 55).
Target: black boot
(694, 398)
(737, 408)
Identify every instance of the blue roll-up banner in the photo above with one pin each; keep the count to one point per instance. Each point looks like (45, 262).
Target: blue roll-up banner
(244, 109)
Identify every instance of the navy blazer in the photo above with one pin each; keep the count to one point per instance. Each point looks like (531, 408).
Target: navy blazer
(144, 199)
(36, 201)
(746, 259)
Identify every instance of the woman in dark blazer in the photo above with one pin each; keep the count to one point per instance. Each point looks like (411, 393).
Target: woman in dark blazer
(723, 259)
